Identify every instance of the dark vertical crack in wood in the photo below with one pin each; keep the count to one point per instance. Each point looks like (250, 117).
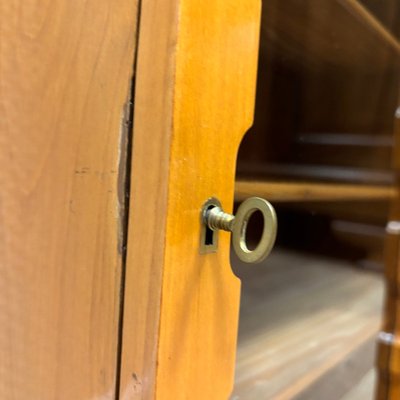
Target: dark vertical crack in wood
(124, 187)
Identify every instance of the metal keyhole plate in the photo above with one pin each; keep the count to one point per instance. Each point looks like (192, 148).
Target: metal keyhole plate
(214, 218)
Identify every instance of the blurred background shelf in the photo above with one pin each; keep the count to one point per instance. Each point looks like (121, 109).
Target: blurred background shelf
(323, 144)
(364, 25)
(324, 149)
(310, 191)
(311, 340)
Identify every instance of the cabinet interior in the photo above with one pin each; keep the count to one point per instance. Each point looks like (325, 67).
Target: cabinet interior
(323, 150)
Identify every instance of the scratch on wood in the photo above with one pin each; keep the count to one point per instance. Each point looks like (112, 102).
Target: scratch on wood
(123, 185)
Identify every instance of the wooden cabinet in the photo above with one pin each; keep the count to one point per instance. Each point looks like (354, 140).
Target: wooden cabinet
(119, 119)
(191, 111)
(103, 291)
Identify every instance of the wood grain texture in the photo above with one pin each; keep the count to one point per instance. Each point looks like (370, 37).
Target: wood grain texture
(65, 76)
(194, 101)
(311, 191)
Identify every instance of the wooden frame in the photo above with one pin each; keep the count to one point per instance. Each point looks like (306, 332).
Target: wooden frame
(194, 101)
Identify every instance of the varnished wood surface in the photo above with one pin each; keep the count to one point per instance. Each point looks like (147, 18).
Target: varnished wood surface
(65, 76)
(311, 191)
(301, 318)
(149, 193)
(194, 101)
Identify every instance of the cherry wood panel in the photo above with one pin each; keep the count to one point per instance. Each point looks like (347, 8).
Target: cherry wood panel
(194, 101)
(65, 77)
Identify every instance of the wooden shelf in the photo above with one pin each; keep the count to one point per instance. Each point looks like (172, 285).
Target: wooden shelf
(311, 191)
(307, 328)
(359, 11)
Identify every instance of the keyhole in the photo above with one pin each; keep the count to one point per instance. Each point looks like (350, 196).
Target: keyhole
(209, 238)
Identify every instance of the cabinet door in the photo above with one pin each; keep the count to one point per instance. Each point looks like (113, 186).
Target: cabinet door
(194, 100)
(65, 76)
